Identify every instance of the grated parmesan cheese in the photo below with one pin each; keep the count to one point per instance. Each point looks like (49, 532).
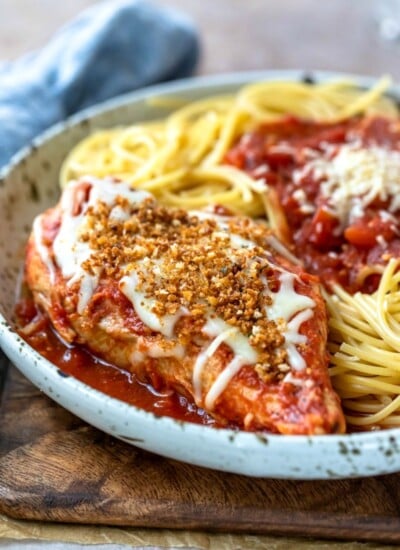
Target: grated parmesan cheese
(354, 178)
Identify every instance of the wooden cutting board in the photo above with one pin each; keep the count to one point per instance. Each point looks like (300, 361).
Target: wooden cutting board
(54, 467)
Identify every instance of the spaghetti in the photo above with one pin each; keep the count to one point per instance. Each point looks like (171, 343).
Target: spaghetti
(189, 160)
(365, 346)
(179, 159)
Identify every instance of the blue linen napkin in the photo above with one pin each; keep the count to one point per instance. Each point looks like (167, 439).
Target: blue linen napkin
(111, 48)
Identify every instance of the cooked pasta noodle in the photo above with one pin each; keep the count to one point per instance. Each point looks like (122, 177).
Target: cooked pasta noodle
(365, 346)
(180, 160)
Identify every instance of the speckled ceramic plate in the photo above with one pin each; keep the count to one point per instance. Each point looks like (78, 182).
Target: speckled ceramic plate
(27, 187)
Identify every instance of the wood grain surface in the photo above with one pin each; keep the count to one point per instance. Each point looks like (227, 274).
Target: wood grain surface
(53, 467)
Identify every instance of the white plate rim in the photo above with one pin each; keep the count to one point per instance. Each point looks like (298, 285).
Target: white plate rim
(345, 448)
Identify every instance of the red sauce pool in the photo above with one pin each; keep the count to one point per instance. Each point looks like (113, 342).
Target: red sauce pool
(115, 382)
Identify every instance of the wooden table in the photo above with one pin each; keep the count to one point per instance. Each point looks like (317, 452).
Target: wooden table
(236, 35)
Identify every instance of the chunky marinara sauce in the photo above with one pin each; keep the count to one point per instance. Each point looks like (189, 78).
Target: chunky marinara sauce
(337, 251)
(79, 362)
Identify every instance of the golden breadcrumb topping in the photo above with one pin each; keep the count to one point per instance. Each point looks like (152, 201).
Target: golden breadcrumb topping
(194, 262)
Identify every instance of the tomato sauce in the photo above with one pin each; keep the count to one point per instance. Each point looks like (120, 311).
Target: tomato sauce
(278, 150)
(78, 362)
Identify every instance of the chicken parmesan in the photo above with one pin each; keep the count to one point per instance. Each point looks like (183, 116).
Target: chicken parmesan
(204, 303)
(319, 163)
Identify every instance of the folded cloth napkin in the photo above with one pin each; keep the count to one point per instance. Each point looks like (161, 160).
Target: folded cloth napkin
(111, 48)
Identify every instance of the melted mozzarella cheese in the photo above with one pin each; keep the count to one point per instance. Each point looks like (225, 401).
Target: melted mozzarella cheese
(237, 341)
(286, 302)
(239, 242)
(119, 214)
(294, 308)
(203, 357)
(293, 338)
(144, 307)
(221, 332)
(87, 287)
(222, 380)
(288, 305)
(70, 252)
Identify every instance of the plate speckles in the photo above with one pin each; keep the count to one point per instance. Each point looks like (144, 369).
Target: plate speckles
(29, 186)
(62, 373)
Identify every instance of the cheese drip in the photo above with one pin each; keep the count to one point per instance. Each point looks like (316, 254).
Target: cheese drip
(144, 307)
(354, 178)
(244, 354)
(287, 305)
(294, 309)
(71, 251)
